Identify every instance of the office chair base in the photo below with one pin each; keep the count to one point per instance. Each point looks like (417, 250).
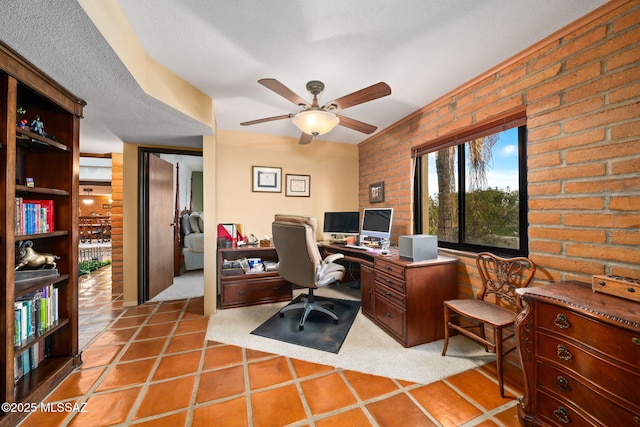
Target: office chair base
(308, 307)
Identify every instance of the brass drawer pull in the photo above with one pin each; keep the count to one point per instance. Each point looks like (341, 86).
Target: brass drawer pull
(635, 340)
(563, 353)
(563, 384)
(561, 415)
(561, 321)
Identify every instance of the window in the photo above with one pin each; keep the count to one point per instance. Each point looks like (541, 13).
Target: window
(471, 192)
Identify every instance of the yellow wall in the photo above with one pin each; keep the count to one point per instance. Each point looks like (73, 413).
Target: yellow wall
(333, 168)
(228, 158)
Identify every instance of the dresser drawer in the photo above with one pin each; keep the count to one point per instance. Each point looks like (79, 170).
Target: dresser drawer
(560, 413)
(392, 295)
(617, 343)
(392, 282)
(582, 396)
(256, 290)
(570, 358)
(390, 316)
(390, 268)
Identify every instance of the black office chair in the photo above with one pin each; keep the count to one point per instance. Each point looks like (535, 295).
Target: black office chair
(300, 262)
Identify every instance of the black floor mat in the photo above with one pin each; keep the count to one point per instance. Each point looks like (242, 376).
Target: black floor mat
(319, 330)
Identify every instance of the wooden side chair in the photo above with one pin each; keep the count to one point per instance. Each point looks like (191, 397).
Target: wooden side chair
(496, 306)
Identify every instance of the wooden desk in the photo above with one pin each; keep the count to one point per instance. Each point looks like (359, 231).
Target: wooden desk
(251, 288)
(404, 298)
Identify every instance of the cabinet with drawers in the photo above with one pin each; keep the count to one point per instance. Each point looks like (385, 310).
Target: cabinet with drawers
(580, 352)
(408, 297)
(251, 288)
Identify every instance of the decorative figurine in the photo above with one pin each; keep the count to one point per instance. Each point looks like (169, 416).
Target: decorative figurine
(37, 126)
(27, 257)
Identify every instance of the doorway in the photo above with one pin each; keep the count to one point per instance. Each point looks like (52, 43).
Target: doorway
(149, 224)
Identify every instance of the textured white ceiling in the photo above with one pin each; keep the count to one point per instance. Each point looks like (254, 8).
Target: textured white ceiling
(421, 48)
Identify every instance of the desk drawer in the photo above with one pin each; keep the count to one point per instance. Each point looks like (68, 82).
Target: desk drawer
(252, 291)
(567, 357)
(390, 268)
(391, 294)
(390, 315)
(392, 282)
(613, 342)
(554, 381)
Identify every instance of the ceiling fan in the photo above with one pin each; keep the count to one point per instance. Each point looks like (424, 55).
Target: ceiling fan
(314, 120)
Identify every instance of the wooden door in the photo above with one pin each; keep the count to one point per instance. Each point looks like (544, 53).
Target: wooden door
(161, 223)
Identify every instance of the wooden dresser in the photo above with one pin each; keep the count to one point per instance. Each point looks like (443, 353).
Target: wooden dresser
(580, 352)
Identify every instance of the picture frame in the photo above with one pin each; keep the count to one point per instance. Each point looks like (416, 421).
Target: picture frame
(376, 192)
(267, 179)
(298, 185)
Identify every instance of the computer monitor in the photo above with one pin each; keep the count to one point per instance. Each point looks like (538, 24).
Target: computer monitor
(341, 223)
(376, 223)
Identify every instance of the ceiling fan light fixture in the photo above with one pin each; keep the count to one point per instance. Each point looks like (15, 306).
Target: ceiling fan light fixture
(315, 121)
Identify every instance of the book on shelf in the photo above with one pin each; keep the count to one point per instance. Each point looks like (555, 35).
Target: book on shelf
(31, 358)
(34, 216)
(34, 313)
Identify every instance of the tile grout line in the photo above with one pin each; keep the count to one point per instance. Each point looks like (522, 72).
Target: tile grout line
(145, 387)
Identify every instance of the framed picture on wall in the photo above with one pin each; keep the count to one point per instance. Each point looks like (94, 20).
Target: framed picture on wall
(267, 179)
(298, 185)
(376, 192)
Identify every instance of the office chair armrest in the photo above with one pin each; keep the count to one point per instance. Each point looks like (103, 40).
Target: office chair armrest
(332, 258)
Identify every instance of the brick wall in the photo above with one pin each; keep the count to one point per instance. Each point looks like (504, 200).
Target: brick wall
(582, 98)
(117, 259)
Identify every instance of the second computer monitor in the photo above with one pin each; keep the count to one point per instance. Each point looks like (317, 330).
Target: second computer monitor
(376, 223)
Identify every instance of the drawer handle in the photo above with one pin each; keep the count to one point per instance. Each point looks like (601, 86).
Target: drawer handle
(636, 419)
(631, 289)
(561, 415)
(388, 268)
(387, 293)
(635, 340)
(388, 281)
(563, 353)
(389, 315)
(241, 292)
(276, 289)
(563, 384)
(561, 321)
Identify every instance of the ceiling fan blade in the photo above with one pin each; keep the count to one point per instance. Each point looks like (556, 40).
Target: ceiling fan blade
(356, 125)
(367, 94)
(283, 91)
(305, 138)
(266, 119)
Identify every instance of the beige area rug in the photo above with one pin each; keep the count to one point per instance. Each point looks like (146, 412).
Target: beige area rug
(366, 349)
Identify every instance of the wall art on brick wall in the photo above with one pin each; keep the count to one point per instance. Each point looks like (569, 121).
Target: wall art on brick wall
(376, 192)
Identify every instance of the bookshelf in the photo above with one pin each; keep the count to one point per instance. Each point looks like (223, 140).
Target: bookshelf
(39, 169)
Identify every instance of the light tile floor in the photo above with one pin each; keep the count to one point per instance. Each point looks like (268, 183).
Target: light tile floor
(151, 366)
